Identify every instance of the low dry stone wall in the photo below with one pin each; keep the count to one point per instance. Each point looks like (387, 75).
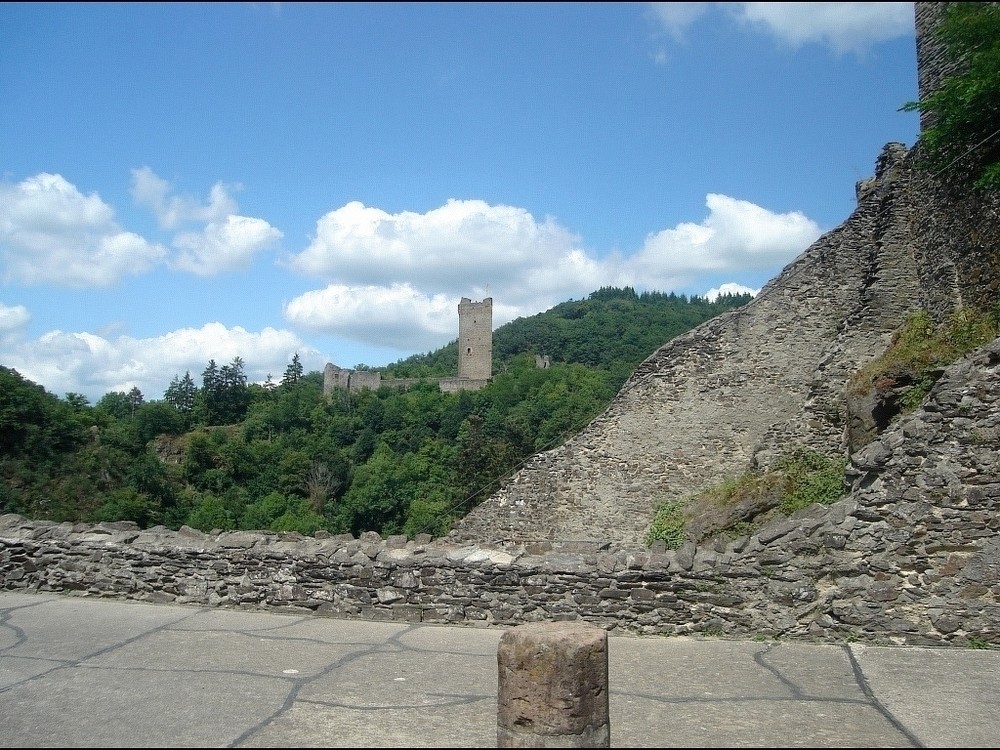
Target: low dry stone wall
(755, 588)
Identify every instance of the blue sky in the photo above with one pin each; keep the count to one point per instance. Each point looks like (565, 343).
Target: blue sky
(186, 182)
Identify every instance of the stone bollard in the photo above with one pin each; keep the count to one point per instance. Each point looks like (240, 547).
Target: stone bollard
(553, 686)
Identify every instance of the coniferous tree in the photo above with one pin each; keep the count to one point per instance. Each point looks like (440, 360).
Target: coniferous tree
(211, 386)
(135, 400)
(181, 394)
(293, 373)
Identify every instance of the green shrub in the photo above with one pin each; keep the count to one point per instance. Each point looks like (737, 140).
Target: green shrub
(810, 477)
(919, 350)
(668, 525)
(961, 136)
(800, 478)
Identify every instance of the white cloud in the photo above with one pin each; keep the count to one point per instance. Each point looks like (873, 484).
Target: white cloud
(675, 18)
(395, 316)
(713, 294)
(396, 280)
(152, 191)
(13, 317)
(223, 246)
(735, 236)
(462, 249)
(51, 232)
(12, 320)
(452, 246)
(95, 365)
(227, 241)
(843, 27)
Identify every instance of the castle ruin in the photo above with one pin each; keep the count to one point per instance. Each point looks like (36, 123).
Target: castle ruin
(475, 358)
(475, 339)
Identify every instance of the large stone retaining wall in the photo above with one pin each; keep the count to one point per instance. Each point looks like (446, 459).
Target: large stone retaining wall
(732, 394)
(742, 389)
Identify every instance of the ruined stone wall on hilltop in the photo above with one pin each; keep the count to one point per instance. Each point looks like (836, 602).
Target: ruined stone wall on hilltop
(734, 393)
(743, 389)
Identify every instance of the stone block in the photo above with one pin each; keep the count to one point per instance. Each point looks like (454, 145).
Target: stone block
(553, 686)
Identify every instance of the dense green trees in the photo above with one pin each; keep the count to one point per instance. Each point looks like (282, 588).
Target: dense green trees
(281, 456)
(225, 395)
(964, 130)
(182, 394)
(33, 423)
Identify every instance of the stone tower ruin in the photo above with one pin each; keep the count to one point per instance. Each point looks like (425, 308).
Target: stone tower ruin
(475, 339)
(475, 358)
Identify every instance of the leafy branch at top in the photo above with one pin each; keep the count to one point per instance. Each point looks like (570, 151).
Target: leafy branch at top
(964, 128)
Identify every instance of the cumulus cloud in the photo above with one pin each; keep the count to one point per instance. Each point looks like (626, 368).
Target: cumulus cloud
(395, 280)
(50, 232)
(94, 365)
(152, 191)
(223, 246)
(227, 242)
(713, 294)
(446, 246)
(735, 236)
(842, 27)
(397, 316)
(12, 320)
(13, 317)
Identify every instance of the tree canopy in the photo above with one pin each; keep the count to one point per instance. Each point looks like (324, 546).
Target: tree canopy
(963, 133)
(285, 457)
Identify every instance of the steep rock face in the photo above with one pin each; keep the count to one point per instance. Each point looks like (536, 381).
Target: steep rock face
(744, 388)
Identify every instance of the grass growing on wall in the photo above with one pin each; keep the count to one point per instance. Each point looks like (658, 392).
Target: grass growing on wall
(668, 525)
(809, 477)
(800, 478)
(919, 350)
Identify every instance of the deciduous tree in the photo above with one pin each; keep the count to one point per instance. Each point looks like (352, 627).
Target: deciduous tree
(963, 134)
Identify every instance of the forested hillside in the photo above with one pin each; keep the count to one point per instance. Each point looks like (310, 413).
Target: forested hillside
(228, 454)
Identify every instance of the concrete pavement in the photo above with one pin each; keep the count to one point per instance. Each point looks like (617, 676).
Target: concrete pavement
(84, 672)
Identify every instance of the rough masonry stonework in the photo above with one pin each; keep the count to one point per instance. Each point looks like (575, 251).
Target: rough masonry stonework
(744, 388)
